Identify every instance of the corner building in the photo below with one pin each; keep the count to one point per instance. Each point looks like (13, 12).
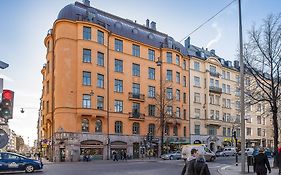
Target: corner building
(101, 83)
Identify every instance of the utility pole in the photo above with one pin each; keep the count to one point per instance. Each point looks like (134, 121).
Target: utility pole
(242, 92)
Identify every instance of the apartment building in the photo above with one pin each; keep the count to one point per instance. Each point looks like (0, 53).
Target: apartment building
(102, 81)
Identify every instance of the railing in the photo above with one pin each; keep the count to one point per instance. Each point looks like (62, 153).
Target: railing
(215, 89)
(136, 116)
(136, 96)
(215, 74)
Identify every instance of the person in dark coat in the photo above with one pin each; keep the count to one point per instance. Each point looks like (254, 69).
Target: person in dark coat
(279, 159)
(261, 163)
(198, 167)
(194, 154)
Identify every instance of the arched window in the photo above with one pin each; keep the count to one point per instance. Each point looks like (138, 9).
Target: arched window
(151, 128)
(118, 127)
(175, 131)
(136, 128)
(85, 125)
(98, 126)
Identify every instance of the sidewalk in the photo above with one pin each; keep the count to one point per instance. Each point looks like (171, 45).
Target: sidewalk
(235, 170)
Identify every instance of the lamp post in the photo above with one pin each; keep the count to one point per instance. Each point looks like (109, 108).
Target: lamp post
(159, 63)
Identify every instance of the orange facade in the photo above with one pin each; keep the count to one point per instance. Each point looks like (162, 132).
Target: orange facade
(96, 96)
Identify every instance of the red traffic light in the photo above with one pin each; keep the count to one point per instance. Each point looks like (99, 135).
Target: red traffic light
(7, 94)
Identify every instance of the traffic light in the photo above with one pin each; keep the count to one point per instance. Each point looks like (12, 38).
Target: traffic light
(7, 104)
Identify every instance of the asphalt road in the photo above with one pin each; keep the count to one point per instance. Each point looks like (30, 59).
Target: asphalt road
(131, 167)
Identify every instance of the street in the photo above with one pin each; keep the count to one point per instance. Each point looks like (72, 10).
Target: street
(130, 167)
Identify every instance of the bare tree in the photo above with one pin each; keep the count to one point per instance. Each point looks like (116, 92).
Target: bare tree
(263, 62)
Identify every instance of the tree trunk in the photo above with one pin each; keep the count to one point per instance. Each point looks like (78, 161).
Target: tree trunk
(275, 127)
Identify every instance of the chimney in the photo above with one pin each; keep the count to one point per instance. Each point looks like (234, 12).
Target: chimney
(213, 51)
(86, 2)
(236, 64)
(147, 23)
(153, 25)
(187, 42)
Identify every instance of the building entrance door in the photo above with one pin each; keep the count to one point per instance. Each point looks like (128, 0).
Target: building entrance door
(136, 150)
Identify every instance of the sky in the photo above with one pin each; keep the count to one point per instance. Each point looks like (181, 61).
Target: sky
(24, 25)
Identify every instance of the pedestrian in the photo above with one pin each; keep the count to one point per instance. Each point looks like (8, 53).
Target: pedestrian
(194, 154)
(198, 166)
(261, 163)
(115, 156)
(124, 155)
(279, 159)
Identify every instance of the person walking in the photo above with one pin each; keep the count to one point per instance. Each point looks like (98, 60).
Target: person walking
(114, 156)
(279, 159)
(261, 163)
(194, 154)
(198, 166)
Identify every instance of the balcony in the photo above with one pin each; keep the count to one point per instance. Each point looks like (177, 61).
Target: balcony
(136, 96)
(215, 74)
(215, 89)
(136, 116)
(213, 122)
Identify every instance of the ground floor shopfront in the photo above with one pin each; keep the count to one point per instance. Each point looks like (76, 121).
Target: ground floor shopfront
(86, 146)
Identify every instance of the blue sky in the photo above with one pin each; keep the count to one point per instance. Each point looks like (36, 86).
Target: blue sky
(24, 25)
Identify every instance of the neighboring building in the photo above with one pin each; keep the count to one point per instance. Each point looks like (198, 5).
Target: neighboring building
(19, 144)
(11, 146)
(101, 83)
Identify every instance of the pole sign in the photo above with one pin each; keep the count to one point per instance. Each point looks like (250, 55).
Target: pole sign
(3, 138)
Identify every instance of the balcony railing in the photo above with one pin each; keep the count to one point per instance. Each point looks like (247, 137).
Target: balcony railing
(136, 96)
(215, 74)
(213, 122)
(136, 116)
(215, 89)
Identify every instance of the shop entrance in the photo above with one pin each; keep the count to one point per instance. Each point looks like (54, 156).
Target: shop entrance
(91, 150)
(136, 150)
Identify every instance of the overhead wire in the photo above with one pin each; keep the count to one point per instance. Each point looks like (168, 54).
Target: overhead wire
(209, 19)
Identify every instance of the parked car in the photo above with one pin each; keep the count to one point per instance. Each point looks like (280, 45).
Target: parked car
(202, 149)
(228, 151)
(267, 152)
(218, 153)
(171, 156)
(249, 151)
(15, 162)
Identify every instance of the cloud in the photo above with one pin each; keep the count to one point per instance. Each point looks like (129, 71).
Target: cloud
(6, 78)
(218, 36)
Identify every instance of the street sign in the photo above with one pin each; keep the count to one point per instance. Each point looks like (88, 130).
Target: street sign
(3, 138)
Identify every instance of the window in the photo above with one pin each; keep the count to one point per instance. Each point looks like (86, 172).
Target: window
(263, 120)
(224, 131)
(136, 89)
(151, 129)
(228, 103)
(197, 66)
(259, 119)
(169, 110)
(197, 97)
(118, 85)
(212, 130)
(184, 97)
(223, 74)
(212, 82)
(197, 113)
(86, 55)
(213, 69)
(249, 131)
(249, 119)
(100, 100)
(197, 81)
(136, 50)
(118, 127)
(169, 93)
(47, 106)
(118, 45)
(238, 132)
(259, 131)
(118, 106)
(217, 100)
(87, 33)
(100, 37)
(212, 99)
(217, 115)
(48, 87)
(86, 101)
(197, 129)
(184, 114)
(151, 91)
(86, 78)
(184, 64)
(228, 132)
(151, 55)
(151, 110)
(178, 97)
(184, 131)
(136, 128)
(178, 77)
(259, 107)
(151, 73)
(178, 112)
(212, 114)
(136, 109)
(118, 65)
(263, 132)
(169, 58)
(175, 131)
(228, 89)
(136, 70)
(169, 75)
(184, 81)
(217, 83)
(167, 130)
(100, 61)
(100, 82)
(177, 60)
(228, 75)
(85, 125)
(98, 127)
(223, 88)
